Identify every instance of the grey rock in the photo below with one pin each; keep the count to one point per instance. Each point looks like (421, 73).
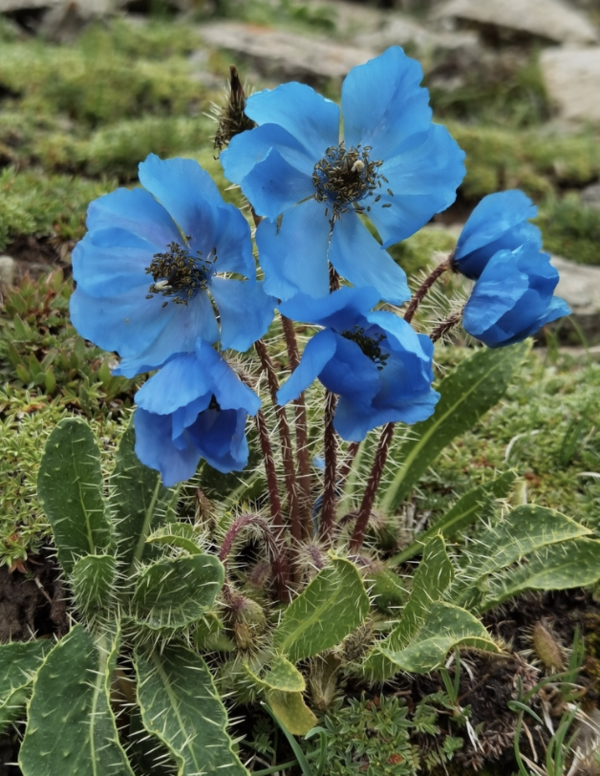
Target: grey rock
(10, 6)
(572, 79)
(401, 30)
(590, 196)
(579, 286)
(68, 18)
(548, 19)
(8, 269)
(284, 54)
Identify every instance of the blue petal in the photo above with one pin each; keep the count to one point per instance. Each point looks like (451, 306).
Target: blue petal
(181, 381)
(249, 148)
(109, 271)
(136, 212)
(306, 115)
(383, 103)
(499, 288)
(293, 252)
(229, 233)
(154, 447)
(423, 180)
(229, 390)
(245, 310)
(220, 438)
(359, 258)
(349, 372)
(316, 354)
(185, 190)
(273, 185)
(500, 221)
(179, 335)
(340, 310)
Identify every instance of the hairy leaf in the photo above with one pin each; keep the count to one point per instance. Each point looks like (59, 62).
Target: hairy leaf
(71, 728)
(69, 487)
(280, 675)
(180, 705)
(176, 592)
(19, 662)
(290, 709)
(333, 605)
(467, 393)
(93, 583)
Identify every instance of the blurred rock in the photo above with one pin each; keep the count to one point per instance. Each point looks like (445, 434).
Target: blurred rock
(572, 78)
(14, 6)
(66, 20)
(579, 286)
(590, 196)
(283, 54)
(419, 40)
(548, 19)
(8, 268)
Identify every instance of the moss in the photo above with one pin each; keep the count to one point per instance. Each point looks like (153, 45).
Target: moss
(571, 229)
(417, 252)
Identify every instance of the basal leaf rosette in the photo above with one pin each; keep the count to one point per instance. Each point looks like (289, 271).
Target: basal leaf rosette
(194, 407)
(379, 367)
(393, 165)
(157, 260)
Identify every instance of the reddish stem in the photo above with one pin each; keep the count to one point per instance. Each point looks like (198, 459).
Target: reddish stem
(364, 512)
(445, 326)
(330, 449)
(423, 289)
(302, 447)
(285, 439)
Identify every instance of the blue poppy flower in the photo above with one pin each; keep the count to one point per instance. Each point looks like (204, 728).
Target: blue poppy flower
(373, 360)
(153, 262)
(513, 297)
(393, 165)
(194, 407)
(500, 221)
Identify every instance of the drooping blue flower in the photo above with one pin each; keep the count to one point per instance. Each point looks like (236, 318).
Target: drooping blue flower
(500, 221)
(194, 407)
(153, 262)
(513, 297)
(375, 362)
(393, 165)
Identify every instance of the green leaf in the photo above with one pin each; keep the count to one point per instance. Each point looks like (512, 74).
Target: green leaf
(574, 563)
(280, 675)
(291, 711)
(180, 535)
(333, 605)
(432, 578)
(71, 728)
(19, 662)
(467, 393)
(139, 501)
(475, 505)
(523, 531)
(69, 487)
(180, 705)
(174, 593)
(93, 583)
(444, 628)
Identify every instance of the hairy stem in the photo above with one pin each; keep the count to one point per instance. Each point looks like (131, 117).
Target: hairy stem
(423, 289)
(280, 563)
(445, 326)
(285, 439)
(366, 506)
(302, 448)
(330, 448)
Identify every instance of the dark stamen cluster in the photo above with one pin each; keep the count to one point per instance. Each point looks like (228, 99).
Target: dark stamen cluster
(370, 345)
(179, 274)
(345, 177)
(214, 404)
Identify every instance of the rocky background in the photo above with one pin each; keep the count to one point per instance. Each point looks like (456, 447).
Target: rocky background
(517, 81)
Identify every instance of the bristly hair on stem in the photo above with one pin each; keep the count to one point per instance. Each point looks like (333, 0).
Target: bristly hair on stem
(423, 289)
(330, 449)
(231, 117)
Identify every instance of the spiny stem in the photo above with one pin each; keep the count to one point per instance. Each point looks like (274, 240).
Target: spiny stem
(280, 565)
(346, 466)
(302, 448)
(285, 439)
(330, 449)
(445, 326)
(421, 292)
(364, 512)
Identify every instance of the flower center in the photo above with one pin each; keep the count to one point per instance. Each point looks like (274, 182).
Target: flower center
(369, 344)
(179, 274)
(343, 177)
